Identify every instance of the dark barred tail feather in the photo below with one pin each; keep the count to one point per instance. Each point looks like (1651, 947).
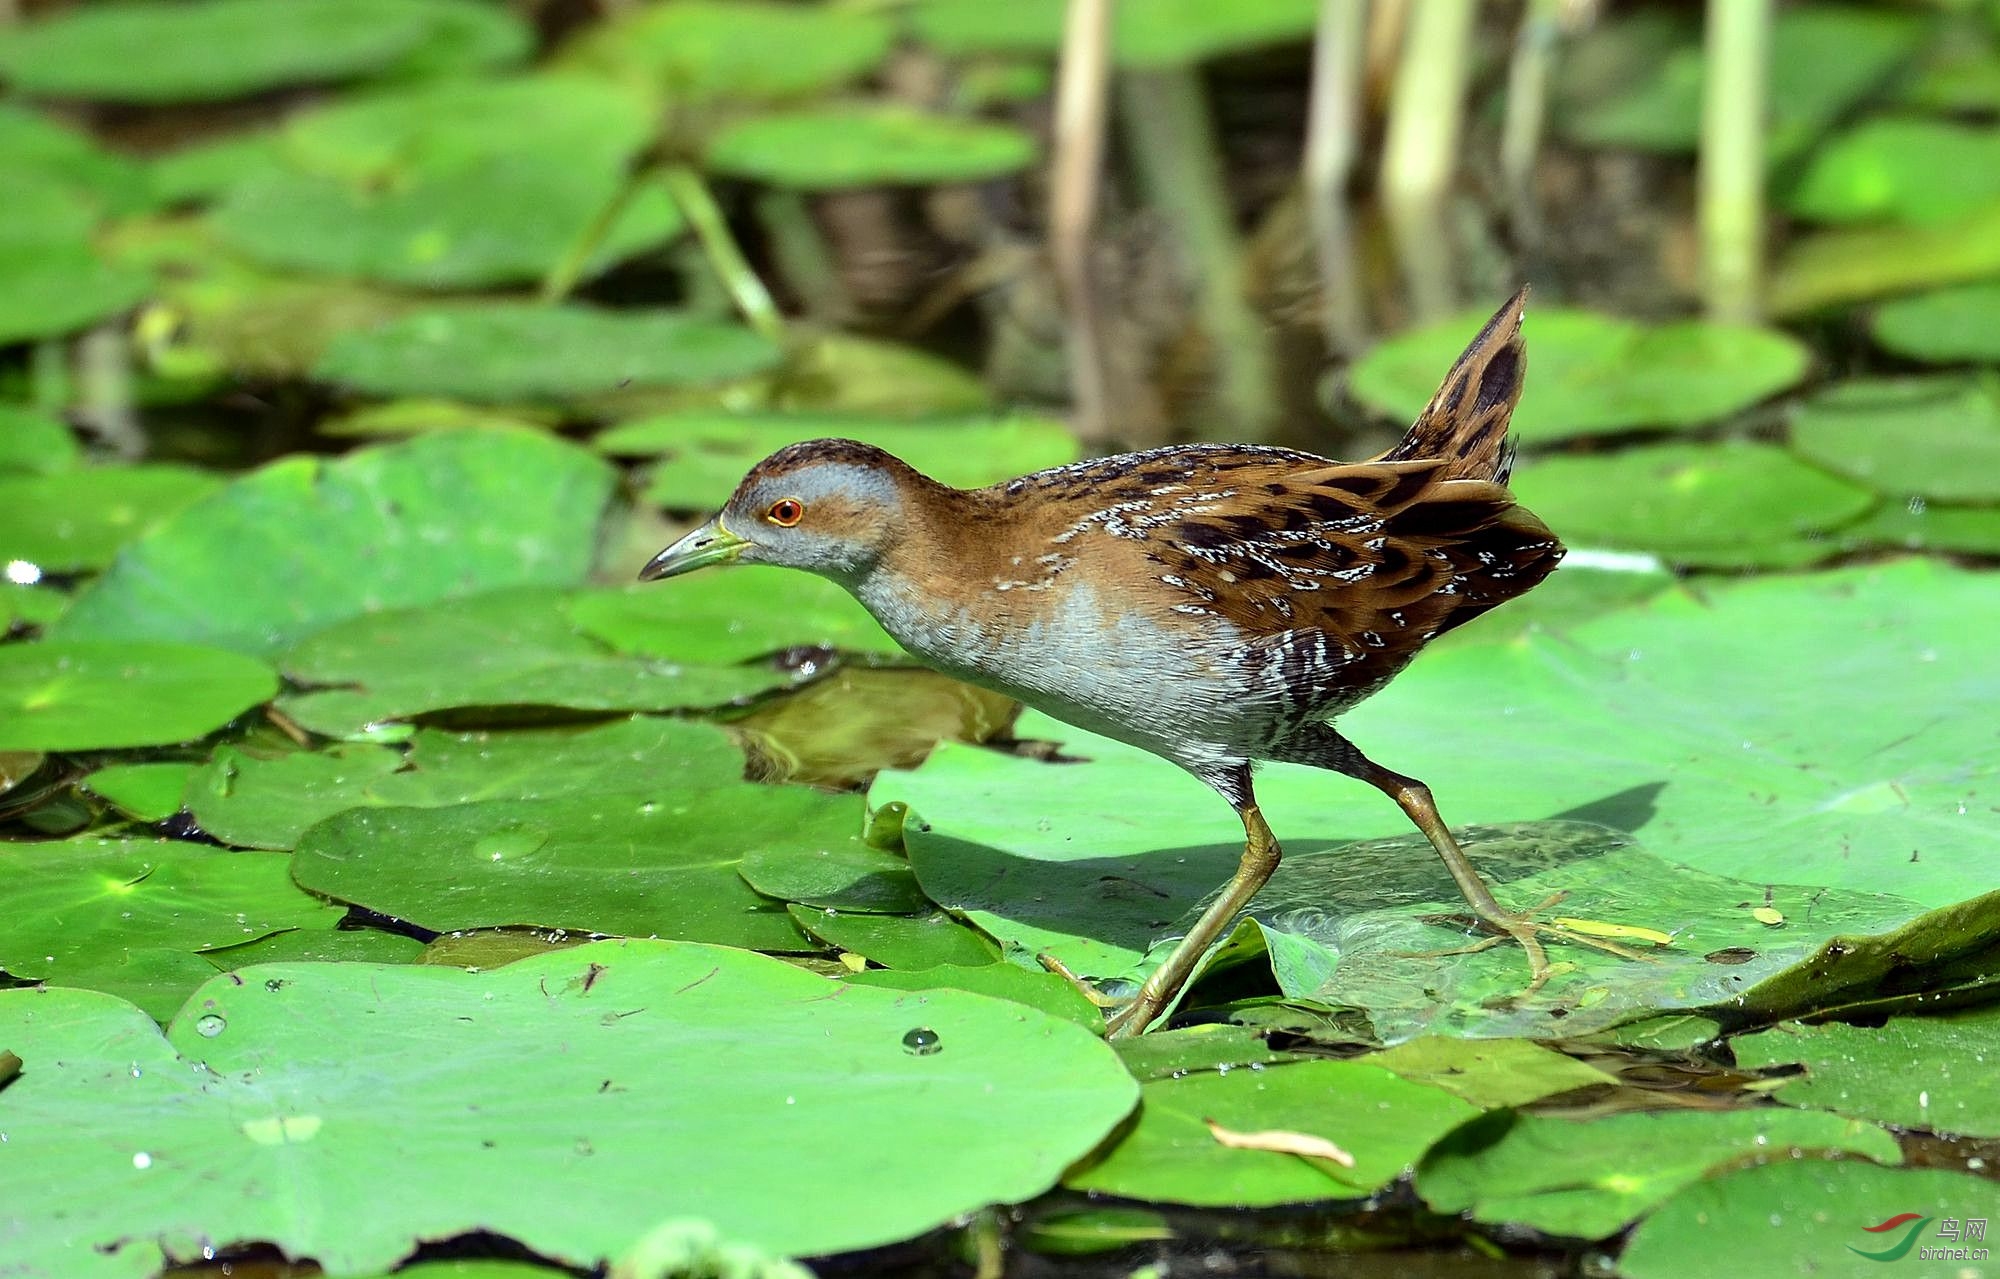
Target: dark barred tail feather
(1465, 424)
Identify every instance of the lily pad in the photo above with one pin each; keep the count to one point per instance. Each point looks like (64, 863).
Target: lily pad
(281, 1099)
(255, 802)
(149, 792)
(1918, 525)
(1170, 1156)
(860, 880)
(509, 648)
(729, 617)
(1716, 505)
(1591, 374)
(35, 149)
(1809, 1218)
(1587, 1180)
(76, 520)
(862, 145)
(513, 353)
(209, 50)
(1489, 1073)
(653, 858)
(85, 696)
(436, 517)
(1900, 170)
(85, 902)
(1945, 326)
(1045, 992)
(1838, 268)
(33, 444)
(1158, 33)
(1935, 437)
(899, 941)
(702, 50)
(1865, 1072)
(49, 288)
(703, 455)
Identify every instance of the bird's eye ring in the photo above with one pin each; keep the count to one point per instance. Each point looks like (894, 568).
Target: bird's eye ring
(786, 511)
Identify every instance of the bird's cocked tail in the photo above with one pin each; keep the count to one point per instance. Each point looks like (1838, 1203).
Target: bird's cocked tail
(1465, 424)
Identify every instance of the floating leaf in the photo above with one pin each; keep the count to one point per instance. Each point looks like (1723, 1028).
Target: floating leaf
(473, 1072)
(1709, 504)
(721, 618)
(1935, 437)
(432, 518)
(1157, 33)
(1590, 374)
(1918, 525)
(708, 49)
(148, 792)
(35, 444)
(1945, 326)
(835, 147)
(35, 149)
(79, 519)
(899, 941)
(1039, 990)
(861, 880)
(1836, 268)
(52, 287)
(1900, 170)
(502, 353)
(85, 696)
(1865, 1071)
(1489, 1073)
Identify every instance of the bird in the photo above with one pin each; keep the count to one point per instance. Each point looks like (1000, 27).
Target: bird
(1218, 605)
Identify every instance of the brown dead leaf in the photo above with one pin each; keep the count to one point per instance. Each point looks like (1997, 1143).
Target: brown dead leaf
(1280, 1142)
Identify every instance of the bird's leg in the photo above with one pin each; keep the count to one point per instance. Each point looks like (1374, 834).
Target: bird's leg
(1260, 858)
(1320, 744)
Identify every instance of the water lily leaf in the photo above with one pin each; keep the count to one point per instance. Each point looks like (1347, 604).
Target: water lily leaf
(503, 353)
(1717, 505)
(1945, 326)
(52, 287)
(703, 454)
(654, 858)
(436, 517)
(1591, 373)
(33, 444)
(85, 696)
(1918, 525)
(35, 149)
(708, 49)
(899, 941)
(1838, 268)
(1384, 1121)
(1865, 1072)
(148, 792)
(1587, 1180)
(76, 520)
(509, 648)
(1489, 1073)
(729, 617)
(1039, 990)
(855, 145)
(1155, 34)
(1806, 1218)
(1900, 170)
(860, 880)
(83, 902)
(255, 802)
(1934, 437)
(214, 49)
(204, 170)
(282, 1099)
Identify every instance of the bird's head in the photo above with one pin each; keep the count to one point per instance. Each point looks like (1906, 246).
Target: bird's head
(830, 507)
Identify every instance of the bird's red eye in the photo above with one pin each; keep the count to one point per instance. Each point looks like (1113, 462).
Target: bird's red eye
(785, 512)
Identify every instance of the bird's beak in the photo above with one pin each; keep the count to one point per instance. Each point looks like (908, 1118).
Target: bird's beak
(712, 543)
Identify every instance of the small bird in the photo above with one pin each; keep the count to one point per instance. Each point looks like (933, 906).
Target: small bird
(1215, 604)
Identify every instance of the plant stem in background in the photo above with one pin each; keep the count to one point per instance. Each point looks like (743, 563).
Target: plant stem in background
(1527, 111)
(104, 390)
(1734, 95)
(1178, 161)
(563, 276)
(1420, 156)
(1076, 169)
(804, 261)
(698, 205)
(1333, 142)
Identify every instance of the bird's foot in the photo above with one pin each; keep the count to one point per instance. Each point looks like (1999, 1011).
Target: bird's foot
(1132, 1015)
(1097, 997)
(1526, 930)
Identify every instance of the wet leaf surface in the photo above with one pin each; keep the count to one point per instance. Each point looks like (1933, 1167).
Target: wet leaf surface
(72, 697)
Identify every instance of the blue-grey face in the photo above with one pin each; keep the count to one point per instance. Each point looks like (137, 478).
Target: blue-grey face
(828, 506)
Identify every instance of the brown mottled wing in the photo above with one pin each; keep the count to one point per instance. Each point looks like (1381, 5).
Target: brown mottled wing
(1465, 424)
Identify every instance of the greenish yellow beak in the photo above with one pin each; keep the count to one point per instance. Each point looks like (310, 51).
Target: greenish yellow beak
(712, 543)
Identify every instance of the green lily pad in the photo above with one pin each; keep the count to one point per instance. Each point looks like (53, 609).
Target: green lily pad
(1934, 437)
(30, 605)
(155, 978)
(75, 520)
(1489, 1073)
(36, 149)
(85, 696)
(654, 857)
(212, 167)
(1590, 374)
(54, 287)
(85, 902)
(708, 49)
(1155, 34)
(213, 49)
(33, 444)
(1946, 326)
(861, 145)
(703, 455)
(1039, 990)
(1717, 505)
(1740, 734)
(320, 946)
(899, 941)
(1382, 1120)
(729, 617)
(1637, 82)
(860, 880)
(1865, 1072)
(255, 802)
(1918, 525)
(850, 374)
(281, 1099)
(1587, 1180)
(498, 354)
(1837, 268)
(511, 648)
(1810, 1218)
(1900, 170)
(436, 517)
(146, 792)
